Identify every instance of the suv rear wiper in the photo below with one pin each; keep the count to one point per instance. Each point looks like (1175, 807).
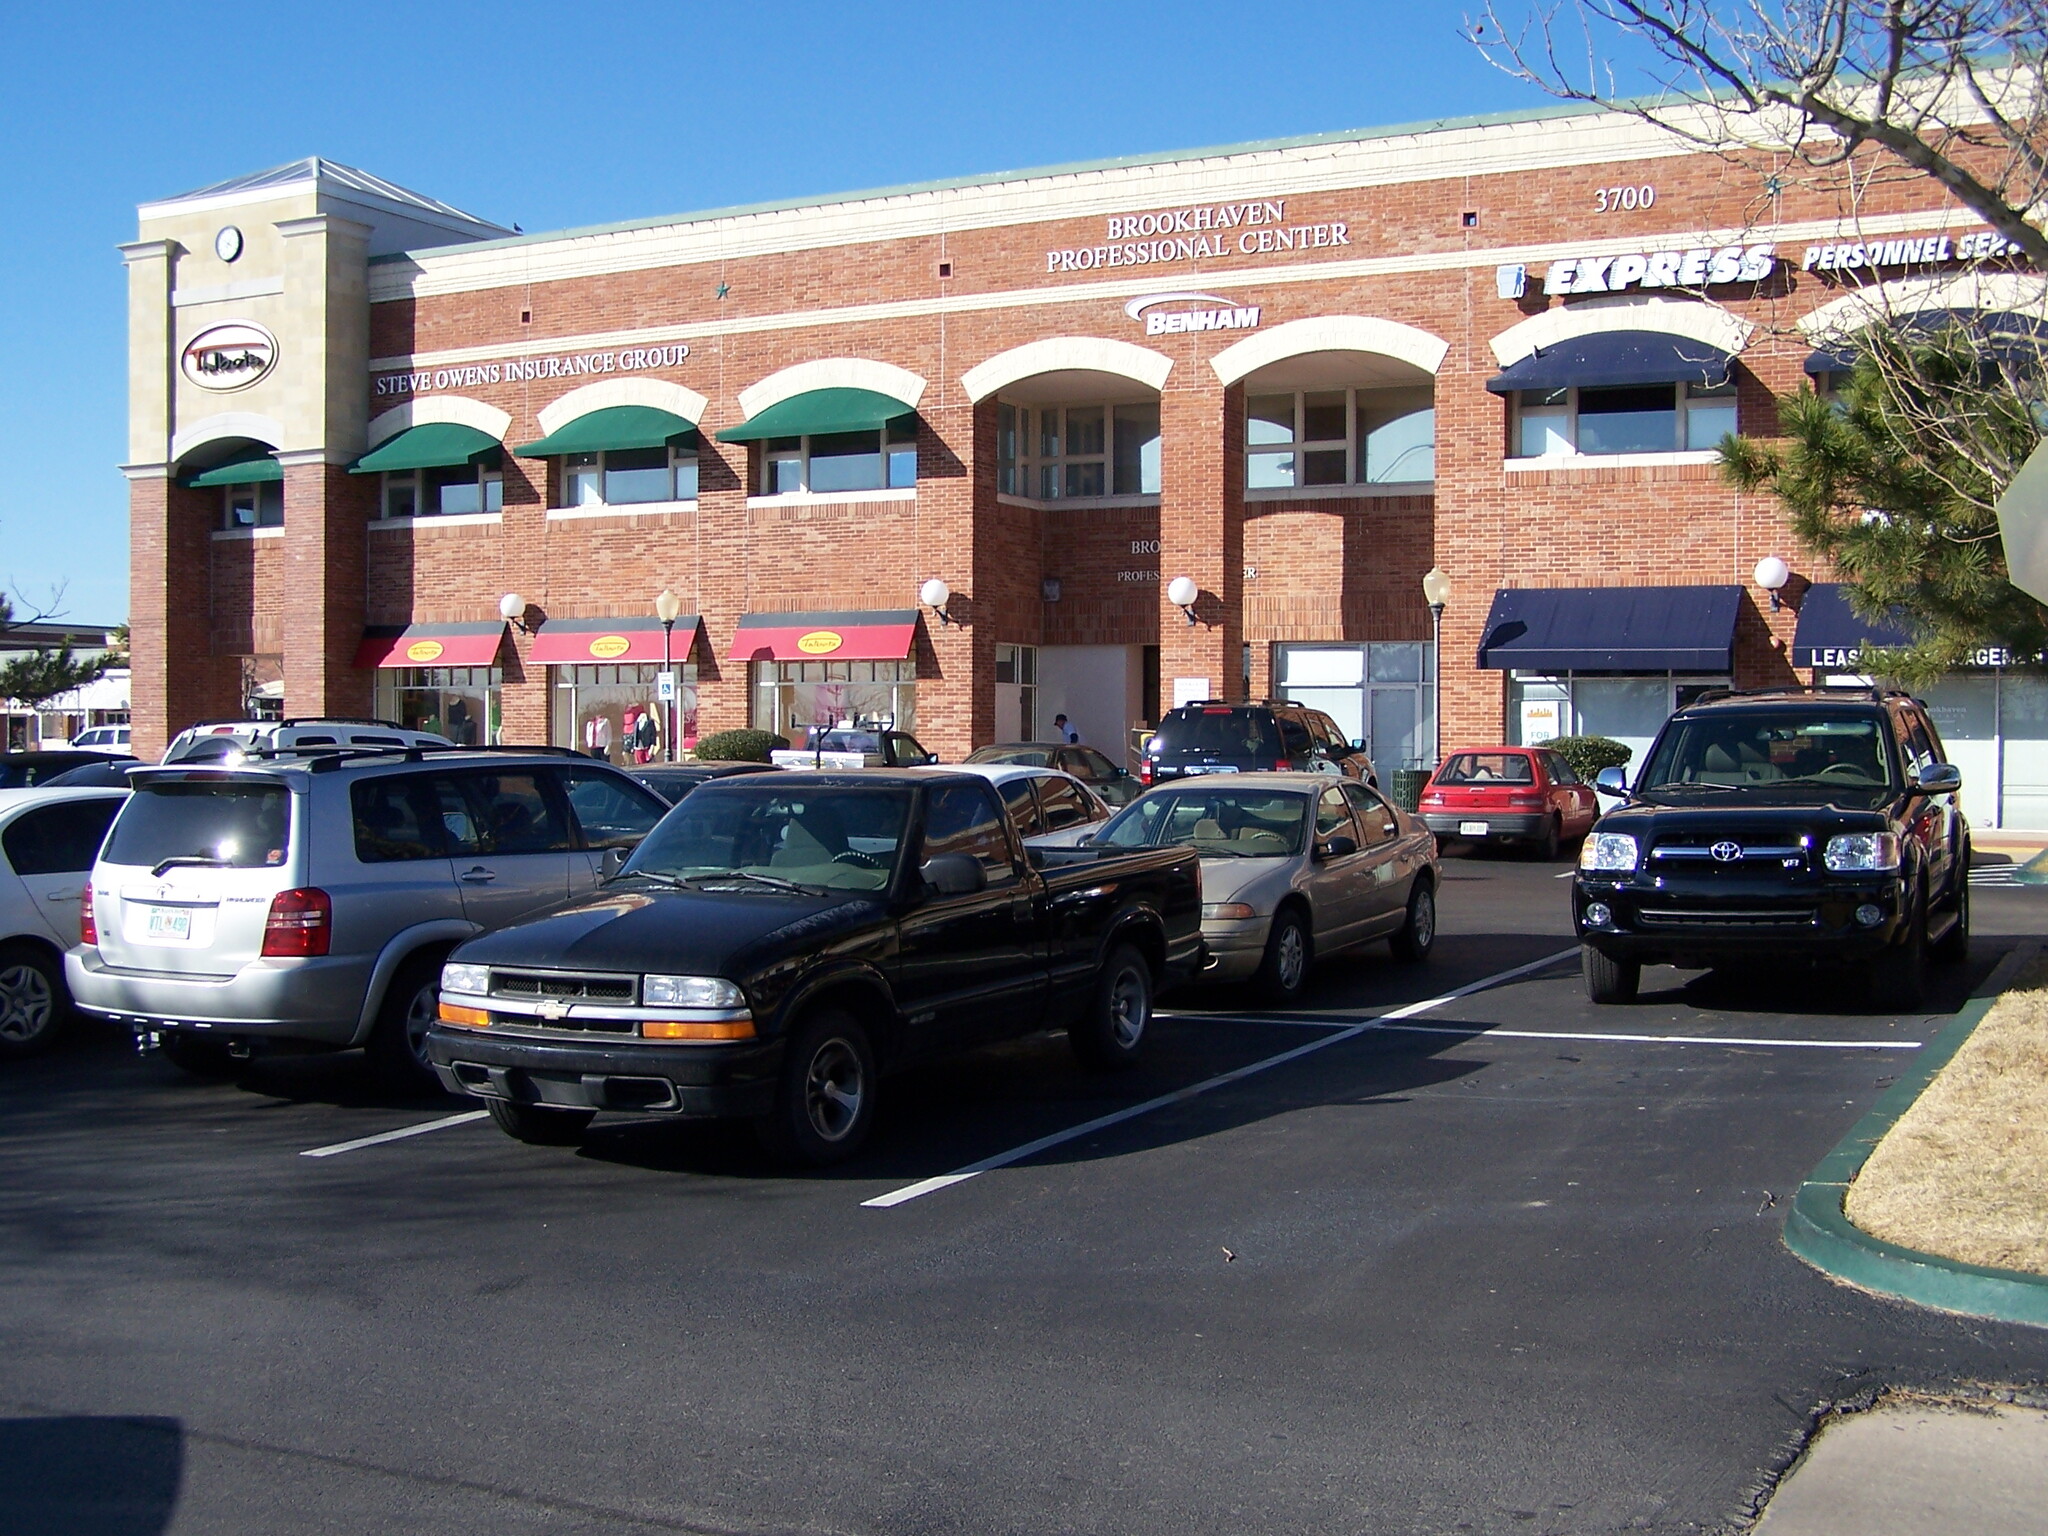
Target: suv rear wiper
(190, 861)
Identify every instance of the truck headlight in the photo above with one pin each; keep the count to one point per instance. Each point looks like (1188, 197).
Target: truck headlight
(473, 979)
(1608, 850)
(691, 992)
(1863, 851)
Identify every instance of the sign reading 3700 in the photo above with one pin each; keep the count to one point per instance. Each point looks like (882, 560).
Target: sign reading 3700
(516, 370)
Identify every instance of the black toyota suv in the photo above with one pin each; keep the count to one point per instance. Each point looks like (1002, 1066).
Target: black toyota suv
(1211, 736)
(1805, 826)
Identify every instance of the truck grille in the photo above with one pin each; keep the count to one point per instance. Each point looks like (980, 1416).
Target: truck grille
(1710, 851)
(567, 986)
(1727, 917)
(567, 1025)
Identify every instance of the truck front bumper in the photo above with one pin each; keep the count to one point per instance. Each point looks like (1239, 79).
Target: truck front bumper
(689, 1081)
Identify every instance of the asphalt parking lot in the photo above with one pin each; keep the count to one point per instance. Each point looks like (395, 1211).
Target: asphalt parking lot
(1397, 1261)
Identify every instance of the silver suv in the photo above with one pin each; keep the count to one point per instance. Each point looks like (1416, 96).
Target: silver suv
(308, 898)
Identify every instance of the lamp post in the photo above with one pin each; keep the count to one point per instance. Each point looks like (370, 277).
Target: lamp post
(667, 607)
(1436, 591)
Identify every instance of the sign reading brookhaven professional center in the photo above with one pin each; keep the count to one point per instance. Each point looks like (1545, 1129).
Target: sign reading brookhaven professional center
(1216, 314)
(515, 370)
(233, 355)
(1702, 268)
(1192, 234)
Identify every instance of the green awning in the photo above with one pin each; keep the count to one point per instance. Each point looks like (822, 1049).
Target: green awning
(431, 445)
(251, 467)
(819, 411)
(616, 426)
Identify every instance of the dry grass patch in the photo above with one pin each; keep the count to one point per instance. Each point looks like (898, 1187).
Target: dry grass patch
(1964, 1172)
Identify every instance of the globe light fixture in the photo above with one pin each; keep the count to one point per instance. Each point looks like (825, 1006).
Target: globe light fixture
(667, 608)
(512, 609)
(935, 594)
(1771, 574)
(1182, 592)
(1436, 592)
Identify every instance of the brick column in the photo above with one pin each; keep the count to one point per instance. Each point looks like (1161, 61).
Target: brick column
(175, 680)
(956, 690)
(720, 576)
(326, 518)
(1201, 532)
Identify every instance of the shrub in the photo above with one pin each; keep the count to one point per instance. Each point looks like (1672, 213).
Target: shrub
(739, 746)
(1589, 754)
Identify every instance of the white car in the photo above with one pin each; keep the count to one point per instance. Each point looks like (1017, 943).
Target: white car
(1052, 809)
(48, 841)
(216, 738)
(102, 738)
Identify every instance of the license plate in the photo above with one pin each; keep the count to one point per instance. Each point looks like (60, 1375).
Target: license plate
(170, 924)
(1474, 828)
(1211, 768)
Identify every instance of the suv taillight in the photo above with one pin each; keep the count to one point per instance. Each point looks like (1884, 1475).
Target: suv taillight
(88, 924)
(301, 922)
(1144, 770)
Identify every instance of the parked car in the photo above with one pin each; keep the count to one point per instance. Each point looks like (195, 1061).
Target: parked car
(878, 748)
(1525, 795)
(309, 900)
(101, 773)
(1804, 827)
(219, 739)
(1294, 868)
(48, 838)
(102, 738)
(780, 941)
(672, 781)
(1112, 784)
(1051, 809)
(1215, 737)
(29, 770)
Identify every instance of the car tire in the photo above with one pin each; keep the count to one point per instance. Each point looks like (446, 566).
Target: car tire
(1283, 973)
(397, 1046)
(34, 1002)
(1545, 847)
(1896, 981)
(1954, 946)
(540, 1125)
(1417, 936)
(1609, 980)
(1110, 1034)
(825, 1103)
(197, 1057)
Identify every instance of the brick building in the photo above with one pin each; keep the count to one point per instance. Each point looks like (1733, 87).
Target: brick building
(397, 459)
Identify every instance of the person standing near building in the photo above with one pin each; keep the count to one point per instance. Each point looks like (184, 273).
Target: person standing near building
(1064, 731)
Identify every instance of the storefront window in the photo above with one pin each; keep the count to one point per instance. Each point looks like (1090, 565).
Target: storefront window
(1340, 437)
(1016, 693)
(448, 492)
(622, 477)
(833, 463)
(1648, 418)
(793, 697)
(253, 506)
(1382, 693)
(616, 712)
(461, 703)
(1077, 452)
(1627, 709)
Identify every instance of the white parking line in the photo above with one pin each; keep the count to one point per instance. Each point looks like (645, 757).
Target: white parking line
(399, 1135)
(922, 1187)
(1545, 1034)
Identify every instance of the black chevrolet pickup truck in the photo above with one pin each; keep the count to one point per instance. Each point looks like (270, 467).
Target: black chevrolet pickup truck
(1795, 827)
(780, 940)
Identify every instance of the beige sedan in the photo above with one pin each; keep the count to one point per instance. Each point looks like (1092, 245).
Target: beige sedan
(1294, 866)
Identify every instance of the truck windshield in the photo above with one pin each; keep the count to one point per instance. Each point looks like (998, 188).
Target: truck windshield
(1216, 823)
(831, 837)
(1795, 753)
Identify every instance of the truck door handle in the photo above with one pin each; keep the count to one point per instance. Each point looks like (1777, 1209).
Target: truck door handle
(479, 875)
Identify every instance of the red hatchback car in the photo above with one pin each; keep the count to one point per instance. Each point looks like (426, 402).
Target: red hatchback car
(1511, 795)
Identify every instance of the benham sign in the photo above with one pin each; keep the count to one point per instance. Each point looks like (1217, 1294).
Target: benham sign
(1171, 322)
(230, 356)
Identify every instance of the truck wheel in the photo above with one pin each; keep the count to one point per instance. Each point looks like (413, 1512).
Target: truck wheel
(33, 1001)
(1110, 1035)
(539, 1125)
(1418, 934)
(199, 1057)
(1954, 946)
(1897, 978)
(1609, 981)
(398, 1041)
(1283, 974)
(826, 1103)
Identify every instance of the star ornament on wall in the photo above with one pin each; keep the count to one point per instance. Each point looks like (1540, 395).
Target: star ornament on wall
(724, 289)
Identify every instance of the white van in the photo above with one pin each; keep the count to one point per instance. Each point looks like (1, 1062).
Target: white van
(214, 739)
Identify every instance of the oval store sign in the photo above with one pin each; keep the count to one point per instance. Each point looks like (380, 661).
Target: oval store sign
(820, 642)
(230, 356)
(424, 650)
(607, 647)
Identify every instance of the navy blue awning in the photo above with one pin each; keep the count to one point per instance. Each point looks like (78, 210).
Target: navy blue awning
(1830, 635)
(1612, 359)
(2003, 334)
(1612, 629)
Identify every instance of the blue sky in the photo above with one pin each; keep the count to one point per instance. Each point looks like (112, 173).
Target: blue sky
(559, 115)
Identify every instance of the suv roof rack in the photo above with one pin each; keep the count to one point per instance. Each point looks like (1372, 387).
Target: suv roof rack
(1844, 691)
(297, 720)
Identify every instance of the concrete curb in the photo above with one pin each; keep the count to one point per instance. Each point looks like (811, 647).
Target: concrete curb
(1818, 1232)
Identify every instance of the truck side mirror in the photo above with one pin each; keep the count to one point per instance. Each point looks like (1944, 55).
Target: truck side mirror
(614, 861)
(954, 874)
(1610, 781)
(1939, 778)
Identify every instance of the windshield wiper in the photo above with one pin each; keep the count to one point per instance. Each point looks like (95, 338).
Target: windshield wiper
(651, 874)
(1700, 784)
(190, 861)
(773, 882)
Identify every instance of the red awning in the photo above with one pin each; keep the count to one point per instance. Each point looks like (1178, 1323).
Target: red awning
(587, 642)
(432, 645)
(874, 635)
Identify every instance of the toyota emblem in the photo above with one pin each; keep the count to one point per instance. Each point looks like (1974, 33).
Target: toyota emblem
(1726, 852)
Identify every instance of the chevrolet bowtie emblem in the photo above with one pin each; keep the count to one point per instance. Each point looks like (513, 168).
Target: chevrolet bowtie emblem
(553, 1009)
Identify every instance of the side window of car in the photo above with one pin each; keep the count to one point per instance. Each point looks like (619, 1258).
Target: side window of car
(1333, 815)
(517, 814)
(395, 819)
(1560, 770)
(1919, 740)
(58, 839)
(1295, 740)
(1089, 766)
(1023, 807)
(1374, 814)
(610, 812)
(962, 818)
(460, 829)
(1065, 804)
(905, 749)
